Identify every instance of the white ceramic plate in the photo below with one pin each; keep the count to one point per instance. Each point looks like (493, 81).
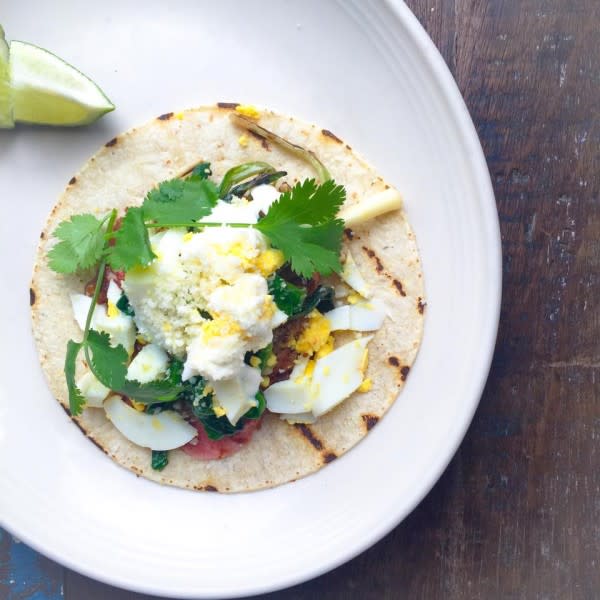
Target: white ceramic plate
(368, 72)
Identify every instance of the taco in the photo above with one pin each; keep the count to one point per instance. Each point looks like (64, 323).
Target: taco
(225, 299)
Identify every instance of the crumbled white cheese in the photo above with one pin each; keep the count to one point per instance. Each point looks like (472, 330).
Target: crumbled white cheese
(205, 299)
(244, 300)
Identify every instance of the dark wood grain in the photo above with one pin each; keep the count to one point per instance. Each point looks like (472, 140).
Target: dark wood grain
(517, 513)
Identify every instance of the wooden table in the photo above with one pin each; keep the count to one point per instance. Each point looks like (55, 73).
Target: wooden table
(517, 513)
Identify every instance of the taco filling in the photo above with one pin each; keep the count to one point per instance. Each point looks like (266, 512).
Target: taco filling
(212, 302)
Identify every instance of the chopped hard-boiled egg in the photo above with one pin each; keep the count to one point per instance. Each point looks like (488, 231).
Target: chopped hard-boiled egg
(113, 295)
(288, 396)
(314, 335)
(219, 270)
(264, 195)
(337, 375)
(366, 385)
(339, 318)
(248, 111)
(119, 327)
(236, 395)
(239, 210)
(362, 316)
(81, 305)
(111, 309)
(326, 348)
(372, 207)
(307, 395)
(291, 395)
(352, 276)
(269, 261)
(162, 431)
(148, 364)
(93, 391)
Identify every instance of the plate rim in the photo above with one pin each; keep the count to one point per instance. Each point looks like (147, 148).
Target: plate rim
(444, 80)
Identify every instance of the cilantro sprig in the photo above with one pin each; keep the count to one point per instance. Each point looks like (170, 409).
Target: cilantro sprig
(109, 366)
(108, 363)
(177, 199)
(81, 245)
(302, 223)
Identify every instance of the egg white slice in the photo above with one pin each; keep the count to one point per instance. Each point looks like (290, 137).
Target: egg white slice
(339, 318)
(119, 327)
(337, 375)
(236, 395)
(163, 431)
(148, 364)
(93, 391)
(81, 305)
(288, 396)
(353, 277)
(139, 281)
(299, 367)
(291, 395)
(113, 293)
(363, 316)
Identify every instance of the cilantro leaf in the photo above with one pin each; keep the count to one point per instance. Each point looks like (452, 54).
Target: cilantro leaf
(306, 203)
(62, 258)
(108, 364)
(76, 399)
(302, 224)
(132, 245)
(180, 200)
(160, 459)
(288, 297)
(81, 245)
(309, 249)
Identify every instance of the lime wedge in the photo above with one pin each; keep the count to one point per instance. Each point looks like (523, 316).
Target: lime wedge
(6, 119)
(48, 91)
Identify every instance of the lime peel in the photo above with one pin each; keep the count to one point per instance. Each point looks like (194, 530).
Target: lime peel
(6, 118)
(38, 87)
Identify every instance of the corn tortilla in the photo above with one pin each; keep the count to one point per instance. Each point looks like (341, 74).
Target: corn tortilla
(385, 250)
